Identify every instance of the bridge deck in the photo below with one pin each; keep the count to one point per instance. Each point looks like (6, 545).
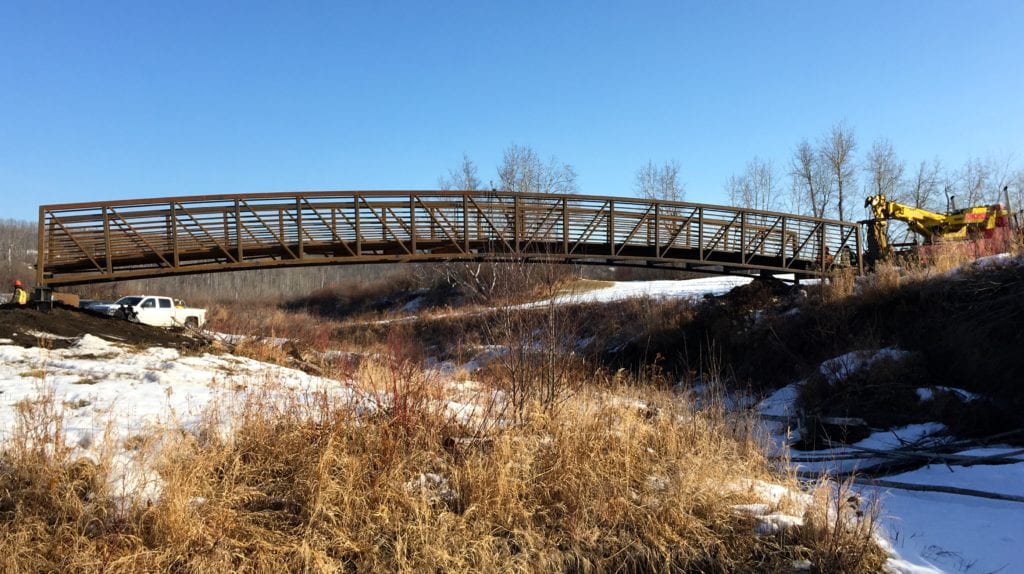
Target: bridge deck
(116, 240)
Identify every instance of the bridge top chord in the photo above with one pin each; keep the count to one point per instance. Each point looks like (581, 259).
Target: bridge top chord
(97, 242)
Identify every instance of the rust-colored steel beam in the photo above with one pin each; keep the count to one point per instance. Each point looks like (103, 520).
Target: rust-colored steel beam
(106, 241)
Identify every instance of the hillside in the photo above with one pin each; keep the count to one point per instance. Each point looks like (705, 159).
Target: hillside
(618, 425)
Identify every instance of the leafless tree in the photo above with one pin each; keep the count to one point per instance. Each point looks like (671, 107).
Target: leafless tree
(462, 179)
(660, 182)
(981, 181)
(537, 364)
(1003, 172)
(812, 189)
(922, 188)
(1016, 196)
(971, 182)
(884, 170)
(756, 188)
(17, 251)
(522, 171)
(837, 149)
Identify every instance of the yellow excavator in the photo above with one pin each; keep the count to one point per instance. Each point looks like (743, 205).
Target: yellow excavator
(983, 224)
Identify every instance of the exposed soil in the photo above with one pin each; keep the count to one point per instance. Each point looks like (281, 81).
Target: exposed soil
(60, 326)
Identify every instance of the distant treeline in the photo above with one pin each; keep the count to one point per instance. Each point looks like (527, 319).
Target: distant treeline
(17, 251)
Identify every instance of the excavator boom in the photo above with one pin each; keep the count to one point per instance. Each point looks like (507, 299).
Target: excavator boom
(962, 224)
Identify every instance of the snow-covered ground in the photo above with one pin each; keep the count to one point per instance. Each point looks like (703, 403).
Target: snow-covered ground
(109, 388)
(939, 532)
(96, 380)
(928, 532)
(110, 394)
(620, 290)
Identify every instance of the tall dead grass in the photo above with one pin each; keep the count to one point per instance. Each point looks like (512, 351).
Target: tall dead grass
(615, 481)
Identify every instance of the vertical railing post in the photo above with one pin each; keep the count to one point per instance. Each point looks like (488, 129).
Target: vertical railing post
(565, 226)
(465, 223)
(657, 230)
(516, 220)
(298, 228)
(782, 250)
(743, 238)
(821, 241)
(359, 229)
(860, 255)
(431, 218)
(41, 248)
(282, 239)
(611, 226)
(173, 225)
(700, 234)
(412, 222)
(239, 250)
(106, 241)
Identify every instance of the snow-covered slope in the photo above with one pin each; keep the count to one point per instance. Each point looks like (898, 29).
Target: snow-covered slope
(98, 380)
(111, 393)
(620, 290)
(928, 532)
(939, 532)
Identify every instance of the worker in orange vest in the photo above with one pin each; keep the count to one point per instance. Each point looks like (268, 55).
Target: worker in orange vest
(20, 295)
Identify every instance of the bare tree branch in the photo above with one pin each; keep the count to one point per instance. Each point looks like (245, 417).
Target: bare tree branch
(522, 171)
(756, 188)
(462, 179)
(659, 182)
(811, 186)
(836, 149)
(883, 169)
(922, 190)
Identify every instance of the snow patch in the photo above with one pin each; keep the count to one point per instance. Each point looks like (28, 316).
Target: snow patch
(110, 391)
(621, 290)
(903, 436)
(839, 368)
(940, 532)
(781, 403)
(926, 394)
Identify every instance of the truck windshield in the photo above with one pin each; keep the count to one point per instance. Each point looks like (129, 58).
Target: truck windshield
(129, 301)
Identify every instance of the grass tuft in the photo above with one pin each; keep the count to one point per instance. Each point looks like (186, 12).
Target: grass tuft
(618, 479)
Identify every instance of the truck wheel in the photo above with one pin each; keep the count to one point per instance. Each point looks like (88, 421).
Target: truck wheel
(128, 314)
(192, 323)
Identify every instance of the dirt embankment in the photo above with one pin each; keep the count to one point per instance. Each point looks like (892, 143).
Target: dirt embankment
(61, 325)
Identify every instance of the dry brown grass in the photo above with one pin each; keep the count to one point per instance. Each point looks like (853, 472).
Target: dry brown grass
(888, 276)
(618, 481)
(270, 321)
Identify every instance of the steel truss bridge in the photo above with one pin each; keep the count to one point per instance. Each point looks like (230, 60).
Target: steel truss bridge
(106, 241)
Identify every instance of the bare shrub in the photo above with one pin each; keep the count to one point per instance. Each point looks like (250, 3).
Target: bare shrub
(839, 531)
(539, 362)
(618, 479)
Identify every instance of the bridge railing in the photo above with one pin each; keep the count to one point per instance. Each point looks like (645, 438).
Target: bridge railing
(109, 241)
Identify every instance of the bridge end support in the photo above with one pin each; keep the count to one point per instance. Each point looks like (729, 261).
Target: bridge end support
(42, 298)
(42, 293)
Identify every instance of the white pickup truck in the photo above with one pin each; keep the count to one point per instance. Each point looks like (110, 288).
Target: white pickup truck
(153, 310)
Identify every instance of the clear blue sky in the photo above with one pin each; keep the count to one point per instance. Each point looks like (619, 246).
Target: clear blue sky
(108, 100)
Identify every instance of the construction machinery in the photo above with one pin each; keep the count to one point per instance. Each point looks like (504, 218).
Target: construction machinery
(987, 227)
